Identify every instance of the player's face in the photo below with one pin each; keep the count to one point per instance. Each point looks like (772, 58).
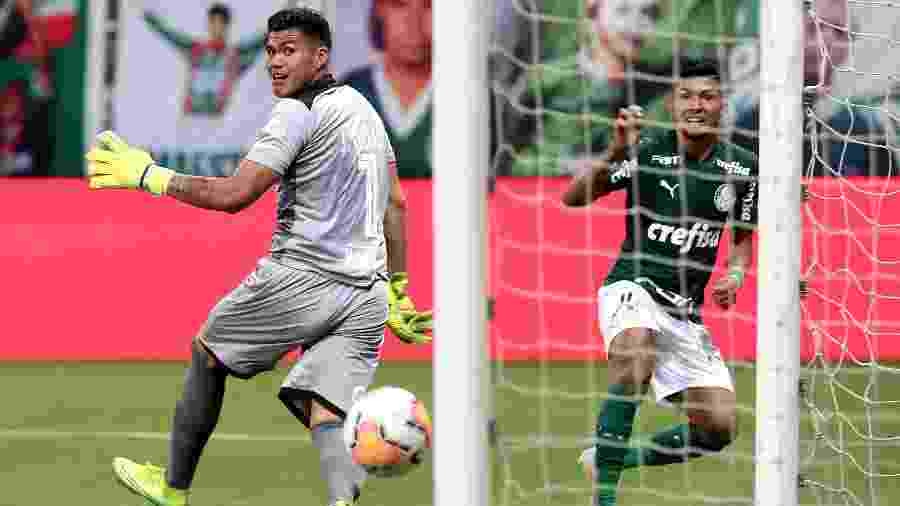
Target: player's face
(826, 32)
(697, 107)
(407, 30)
(218, 27)
(293, 59)
(623, 24)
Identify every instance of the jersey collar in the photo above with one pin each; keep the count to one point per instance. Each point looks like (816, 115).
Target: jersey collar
(308, 93)
(716, 150)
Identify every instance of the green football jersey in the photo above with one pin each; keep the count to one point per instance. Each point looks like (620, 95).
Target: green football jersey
(215, 67)
(678, 210)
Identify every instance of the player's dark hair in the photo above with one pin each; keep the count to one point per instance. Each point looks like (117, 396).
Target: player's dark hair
(220, 9)
(703, 69)
(303, 19)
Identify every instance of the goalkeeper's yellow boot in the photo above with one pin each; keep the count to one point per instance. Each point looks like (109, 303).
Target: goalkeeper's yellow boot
(149, 482)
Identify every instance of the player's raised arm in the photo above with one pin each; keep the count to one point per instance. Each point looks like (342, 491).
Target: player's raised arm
(601, 176)
(592, 184)
(180, 40)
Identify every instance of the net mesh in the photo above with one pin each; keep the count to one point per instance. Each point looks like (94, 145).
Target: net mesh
(851, 389)
(554, 91)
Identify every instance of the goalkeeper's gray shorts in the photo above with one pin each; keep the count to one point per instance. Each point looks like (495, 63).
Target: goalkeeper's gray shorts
(278, 309)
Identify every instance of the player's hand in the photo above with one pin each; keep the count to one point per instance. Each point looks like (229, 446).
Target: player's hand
(626, 129)
(409, 325)
(724, 292)
(112, 163)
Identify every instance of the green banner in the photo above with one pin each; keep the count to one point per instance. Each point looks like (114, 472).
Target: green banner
(67, 110)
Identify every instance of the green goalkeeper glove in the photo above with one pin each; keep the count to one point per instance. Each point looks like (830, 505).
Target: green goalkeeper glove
(112, 163)
(409, 325)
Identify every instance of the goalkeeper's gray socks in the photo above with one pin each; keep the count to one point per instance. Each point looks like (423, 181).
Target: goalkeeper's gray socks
(196, 415)
(678, 443)
(614, 425)
(344, 478)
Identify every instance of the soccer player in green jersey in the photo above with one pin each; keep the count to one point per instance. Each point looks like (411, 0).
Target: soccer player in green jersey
(215, 64)
(684, 188)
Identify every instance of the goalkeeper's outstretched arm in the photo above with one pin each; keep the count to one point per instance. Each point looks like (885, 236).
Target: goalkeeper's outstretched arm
(229, 194)
(112, 163)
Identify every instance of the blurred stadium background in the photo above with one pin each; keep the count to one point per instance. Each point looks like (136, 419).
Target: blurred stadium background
(85, 377)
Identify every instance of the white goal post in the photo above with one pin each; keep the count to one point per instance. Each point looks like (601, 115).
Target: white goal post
(461, 158)
(778, 271)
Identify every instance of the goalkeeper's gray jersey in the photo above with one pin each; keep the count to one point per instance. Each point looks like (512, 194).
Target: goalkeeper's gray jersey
(332, 152)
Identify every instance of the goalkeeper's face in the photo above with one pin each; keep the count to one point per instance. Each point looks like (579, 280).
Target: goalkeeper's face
(293, 59)
(696, 107)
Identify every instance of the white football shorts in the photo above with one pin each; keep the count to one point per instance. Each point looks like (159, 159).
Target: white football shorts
(687, 357)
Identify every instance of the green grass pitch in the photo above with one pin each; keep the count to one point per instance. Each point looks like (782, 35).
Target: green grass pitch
(61, 425)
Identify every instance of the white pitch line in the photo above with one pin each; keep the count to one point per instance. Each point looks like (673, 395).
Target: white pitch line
(151, 436)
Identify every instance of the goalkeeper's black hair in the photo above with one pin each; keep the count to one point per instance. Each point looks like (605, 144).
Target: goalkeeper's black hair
(220, 9)
(303, 19)
(702, 69)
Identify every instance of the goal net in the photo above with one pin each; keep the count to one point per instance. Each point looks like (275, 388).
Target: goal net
(554, 97)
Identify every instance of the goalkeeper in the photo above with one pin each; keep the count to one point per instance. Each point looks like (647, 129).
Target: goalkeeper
(324, 286)
(684, 188)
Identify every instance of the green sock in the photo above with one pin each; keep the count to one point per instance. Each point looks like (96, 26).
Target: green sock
(682, 442)
(614, 425)
(673, 438)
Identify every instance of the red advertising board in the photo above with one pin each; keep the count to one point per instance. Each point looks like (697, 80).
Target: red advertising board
(118, 275)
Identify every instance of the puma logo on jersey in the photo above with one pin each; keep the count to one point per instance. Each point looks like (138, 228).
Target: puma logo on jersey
(698, 236)
(665, 184)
